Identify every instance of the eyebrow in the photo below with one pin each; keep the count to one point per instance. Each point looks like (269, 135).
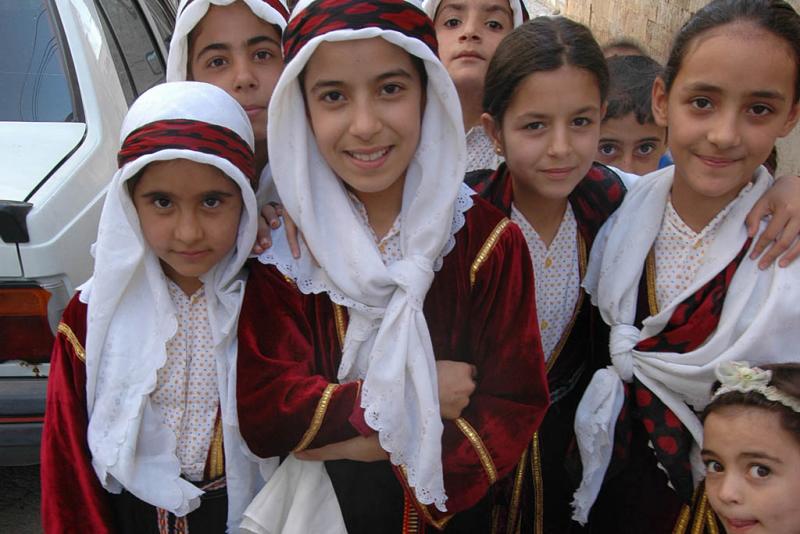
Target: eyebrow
(460, 7)
(702, 87)
(214, 192)
(258, 39)
(323, 84)
(752, 455)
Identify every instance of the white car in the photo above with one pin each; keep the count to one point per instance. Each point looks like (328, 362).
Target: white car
(70, 71)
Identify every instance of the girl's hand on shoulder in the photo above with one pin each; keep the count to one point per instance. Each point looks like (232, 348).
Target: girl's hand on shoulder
(359, 449)
(782, 202)
(270, 219)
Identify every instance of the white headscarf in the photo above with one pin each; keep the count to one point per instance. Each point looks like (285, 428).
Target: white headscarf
(387, 327)
(191, 12)
(517, 10)
(131, 315)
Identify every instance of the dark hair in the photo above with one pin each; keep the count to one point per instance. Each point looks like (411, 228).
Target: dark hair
(631, 87)
(774, 16)
(541, 44)
(785, 378)
(625, 43)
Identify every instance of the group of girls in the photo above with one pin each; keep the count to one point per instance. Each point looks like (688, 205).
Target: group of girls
(429, 361)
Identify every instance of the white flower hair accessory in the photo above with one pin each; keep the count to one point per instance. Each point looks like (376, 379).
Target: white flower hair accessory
(739, 376)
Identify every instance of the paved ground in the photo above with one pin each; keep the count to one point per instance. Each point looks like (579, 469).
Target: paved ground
(19, 500)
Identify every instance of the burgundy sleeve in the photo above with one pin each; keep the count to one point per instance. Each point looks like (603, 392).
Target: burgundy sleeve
(72, 498)
(287, 394)
(511, 398)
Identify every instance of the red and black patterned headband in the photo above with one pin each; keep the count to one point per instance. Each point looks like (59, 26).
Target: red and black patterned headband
(274, 4)
(197, 136)
(324, 16)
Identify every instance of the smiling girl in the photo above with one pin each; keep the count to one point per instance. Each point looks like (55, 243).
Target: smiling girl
(670, 273)
(398, 348)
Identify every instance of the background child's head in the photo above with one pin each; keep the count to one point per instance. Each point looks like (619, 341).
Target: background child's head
(186, 165)
(728, 91)
(233, 45)
(468, 32)
(623, 46)
(630, 139)
(544, 100)
(751, 448)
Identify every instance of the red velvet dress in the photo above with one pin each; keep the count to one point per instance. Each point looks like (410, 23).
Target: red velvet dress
(479, 309)
(73, 501)
(541, 491)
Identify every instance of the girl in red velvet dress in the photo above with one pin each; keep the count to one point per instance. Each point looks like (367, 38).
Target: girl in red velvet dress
(401, 349)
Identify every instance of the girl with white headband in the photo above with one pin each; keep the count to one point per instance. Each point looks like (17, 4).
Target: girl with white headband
(468, 32)
(140, 432)
(365, 349)
(751, 447)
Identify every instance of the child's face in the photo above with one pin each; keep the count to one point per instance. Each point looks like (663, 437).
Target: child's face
(550, 130)
(731, 99)
(237, 51)
(752, 471)
(365, 101)
(189, 213)
(631, 146)
(468, 32)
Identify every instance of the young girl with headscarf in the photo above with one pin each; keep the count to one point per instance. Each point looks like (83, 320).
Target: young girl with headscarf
(140, 431)
(401, 348)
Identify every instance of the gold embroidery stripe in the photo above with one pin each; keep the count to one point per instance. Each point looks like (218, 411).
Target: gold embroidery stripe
(480, 448)
(516, 494)
(316, 421)
(650, 272)
(683, 521)
(700, 518)
(538, 484)
(216, 455)
(711, 522)
(425, 512)
(341, 329)
(73, 340)
(486, 249)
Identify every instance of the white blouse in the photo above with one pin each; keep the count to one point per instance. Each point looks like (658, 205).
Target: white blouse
(557, 273)
(186, 394)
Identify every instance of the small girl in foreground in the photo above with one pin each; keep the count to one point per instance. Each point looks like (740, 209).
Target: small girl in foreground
(140, 432)
(669, 271)
(751, 448)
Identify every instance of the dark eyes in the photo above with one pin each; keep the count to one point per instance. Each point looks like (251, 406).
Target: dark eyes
(607, 149)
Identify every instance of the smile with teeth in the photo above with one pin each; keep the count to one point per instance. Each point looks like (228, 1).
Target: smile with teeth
(369, 156)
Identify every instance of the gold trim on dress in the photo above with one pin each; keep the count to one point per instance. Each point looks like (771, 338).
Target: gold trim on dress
(538, 484)
(341, 323)
(316, 421)
(700, 517)
(216, 453)
(486, 249)
(64, 329)
(650, 272)
(683, 520)
(516, 494)
(480, 448)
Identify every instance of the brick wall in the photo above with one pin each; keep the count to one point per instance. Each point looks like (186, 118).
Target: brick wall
(653, 23)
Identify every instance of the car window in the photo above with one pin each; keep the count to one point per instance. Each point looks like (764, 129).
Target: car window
(136, 54)
(33, 86)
